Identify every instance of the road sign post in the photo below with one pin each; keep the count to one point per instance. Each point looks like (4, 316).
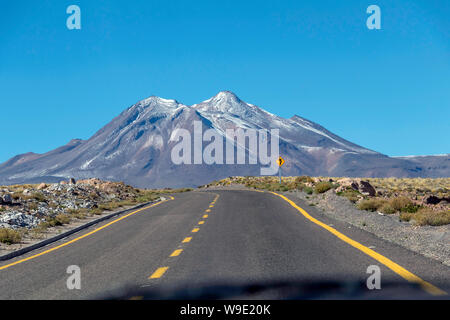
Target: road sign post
(279, 174)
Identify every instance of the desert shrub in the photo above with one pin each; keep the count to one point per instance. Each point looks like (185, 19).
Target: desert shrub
(308, 190)
(387, 208)
(53, 205)
(406, 216)
(147, 196)
(78, 213)
(57, 220)
(109, 206)
(299, 186)
(38, 196)
(93, 195)
(304, 179)
(400, 202)
(62, 218)
(427, 217)
(126, 203)
(411, 208)
(96, 211)
(74, 211)
(371, 204)
(323, 186)
(350, 194)
(9, 236)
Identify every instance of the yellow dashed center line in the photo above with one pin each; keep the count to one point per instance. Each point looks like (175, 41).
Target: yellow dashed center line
(187, 239)
(158, 273)
(176, 253)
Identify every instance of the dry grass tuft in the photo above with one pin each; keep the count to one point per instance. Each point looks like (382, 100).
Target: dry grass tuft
(427, 217)
(9, 236)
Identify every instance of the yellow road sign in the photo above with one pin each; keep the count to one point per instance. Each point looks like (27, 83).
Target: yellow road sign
(280, 161)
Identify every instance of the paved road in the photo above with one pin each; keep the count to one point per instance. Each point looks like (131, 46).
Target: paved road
(248, 245)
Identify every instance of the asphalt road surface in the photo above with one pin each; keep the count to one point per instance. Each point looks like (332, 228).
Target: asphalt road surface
(223, 244)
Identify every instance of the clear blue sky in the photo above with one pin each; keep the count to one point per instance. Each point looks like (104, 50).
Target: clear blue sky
(388, 90)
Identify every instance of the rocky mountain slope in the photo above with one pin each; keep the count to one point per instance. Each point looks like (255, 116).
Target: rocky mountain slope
(135, 147)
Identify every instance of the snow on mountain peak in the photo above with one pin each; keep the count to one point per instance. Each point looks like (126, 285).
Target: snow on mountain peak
(223, 96)
(154, 105)
(158, 100)
(224, 102)
(226, 96)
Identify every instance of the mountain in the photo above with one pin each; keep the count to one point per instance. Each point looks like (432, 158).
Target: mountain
(135, 147)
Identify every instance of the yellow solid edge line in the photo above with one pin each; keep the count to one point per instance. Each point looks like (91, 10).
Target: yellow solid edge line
(83, 236)
(375, 255)
(176, 253)
(187, 239)
(208, 210)
(158, 273)
(205, 216)
(195, 230)
(211, 206)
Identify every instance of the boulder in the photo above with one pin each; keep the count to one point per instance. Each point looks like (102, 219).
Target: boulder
(42, 186)
(72, 181)
(348, 183)
(431, 200)
(434, 200)
(6, 199)
(366, 188)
